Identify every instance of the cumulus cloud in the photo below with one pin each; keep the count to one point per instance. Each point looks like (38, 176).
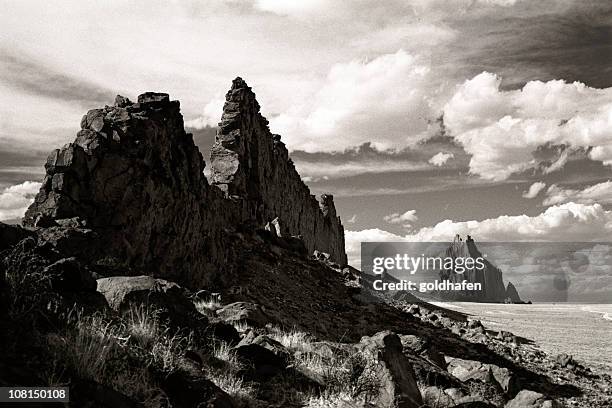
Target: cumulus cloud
(15, 200)
(211, 115)
(534, 190)
(598, 193)
(359, 99)
(501, 129)
(405, 219)
(570, 222)
(441, 158)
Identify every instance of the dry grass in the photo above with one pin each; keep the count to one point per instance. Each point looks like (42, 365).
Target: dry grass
(235, 387)
(293, 339)
(142, 325)
(241, 326)
(329, 400)
(206, 306)
(118, 353)
(228, 377)
(88, 347)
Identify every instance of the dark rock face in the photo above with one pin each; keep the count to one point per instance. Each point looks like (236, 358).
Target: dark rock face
(253, 165)
(12, 234)
(135, 177)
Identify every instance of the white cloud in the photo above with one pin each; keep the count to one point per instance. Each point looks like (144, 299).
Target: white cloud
(441, 158)
(211, 115)
(598, 193)
(360, 98)
(405, 218)
(534, 190)
(353, 240)
(15, 200)
(562, 223)
(501, 129)
(315, 170)
(292, 8)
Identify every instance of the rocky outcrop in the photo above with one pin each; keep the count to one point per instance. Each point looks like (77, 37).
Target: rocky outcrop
(135, 177)
(252, 165)
(490, 278)
(512, 295)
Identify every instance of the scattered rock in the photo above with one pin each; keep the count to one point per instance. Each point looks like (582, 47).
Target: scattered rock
(466, 370)
(531, 399)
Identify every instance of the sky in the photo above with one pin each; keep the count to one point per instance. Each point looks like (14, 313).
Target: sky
(424, 118)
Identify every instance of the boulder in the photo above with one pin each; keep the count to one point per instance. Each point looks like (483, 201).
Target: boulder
(265, 356)
(476, 326)
(531, 399)
(436, 397)
(398, 387)
(68, 275)
(563, 360)
(466, 370)
(169, 299)
(224, 331)
(245, 312)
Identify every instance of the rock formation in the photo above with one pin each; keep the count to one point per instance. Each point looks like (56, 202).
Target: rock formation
(512, 295)
(252, 165)
(490, 278)
(135, 177)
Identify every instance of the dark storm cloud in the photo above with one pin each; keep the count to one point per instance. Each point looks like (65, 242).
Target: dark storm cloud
(29, 76)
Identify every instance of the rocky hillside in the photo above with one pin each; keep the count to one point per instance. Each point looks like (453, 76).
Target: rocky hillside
(137, 283)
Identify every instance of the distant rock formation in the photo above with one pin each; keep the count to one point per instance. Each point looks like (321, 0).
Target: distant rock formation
(490, 278)
(512, 295)
(135, 177)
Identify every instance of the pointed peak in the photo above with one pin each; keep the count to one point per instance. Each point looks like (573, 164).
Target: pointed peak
(239, 83)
